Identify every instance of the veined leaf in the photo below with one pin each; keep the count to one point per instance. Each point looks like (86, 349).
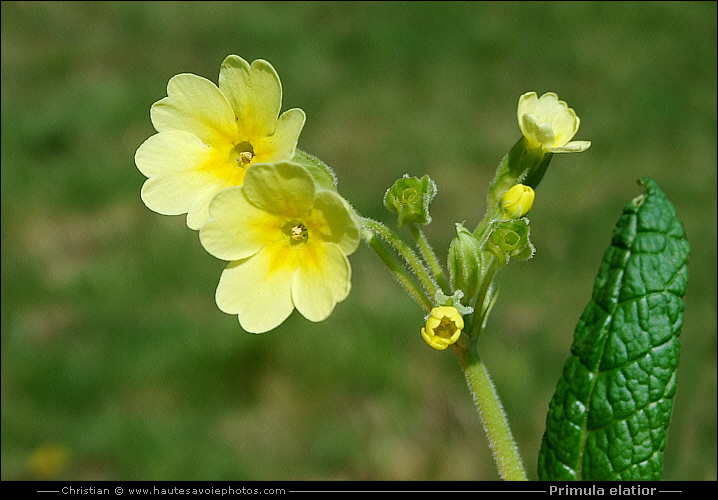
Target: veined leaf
(612, 406)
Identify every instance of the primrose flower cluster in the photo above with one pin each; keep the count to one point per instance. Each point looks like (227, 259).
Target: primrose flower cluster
(547, 126)
(226, 157)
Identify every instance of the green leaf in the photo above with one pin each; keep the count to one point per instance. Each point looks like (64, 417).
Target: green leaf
(612, 406)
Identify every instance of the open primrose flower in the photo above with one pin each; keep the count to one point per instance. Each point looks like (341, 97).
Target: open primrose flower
(288, 242)
(549, 124)
(208, 136)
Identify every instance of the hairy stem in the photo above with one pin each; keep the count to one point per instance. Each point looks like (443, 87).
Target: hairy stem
(491, 414)
(487, 278)
(397, 270)
(406, 253)
(430, 257)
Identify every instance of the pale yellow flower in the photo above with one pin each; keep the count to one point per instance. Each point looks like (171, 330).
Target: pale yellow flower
(549, 124)
(288, 242)
(209, 135)
(517, 201)
(443, 327)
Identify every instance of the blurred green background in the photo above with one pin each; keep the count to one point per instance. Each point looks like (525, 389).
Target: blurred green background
(116, 362)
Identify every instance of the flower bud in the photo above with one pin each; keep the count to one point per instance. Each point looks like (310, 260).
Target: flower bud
(547, 127)
(443, 327)
(549, 124)
(465, 262)
(517, 201)
(409, 197)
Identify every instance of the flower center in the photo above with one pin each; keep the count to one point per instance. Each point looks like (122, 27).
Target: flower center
(296, 232)
(242, 153)
(445, 329)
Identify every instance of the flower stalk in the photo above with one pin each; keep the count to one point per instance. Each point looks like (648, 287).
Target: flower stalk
(429, 257)
(413, 260)
(399, 272)
(491, 413)
(481, 312)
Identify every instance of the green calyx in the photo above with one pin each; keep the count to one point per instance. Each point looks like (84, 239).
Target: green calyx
(409, 198)
(522, 165)
(465, 262)
(320, 171)
(510, 240)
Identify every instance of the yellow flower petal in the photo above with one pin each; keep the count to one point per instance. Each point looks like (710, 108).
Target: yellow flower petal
(178, 179)
(283, 142)
(195, 105)
(283, 188)
(322, 279)
(184, 174)
(225, 132)
(254, 92)
(158, 155)
(332, 220)
(572, 147)
(527, 104)
(547, 105)
(565, 124)
(237, 229)
(258, 289)
(537, 133)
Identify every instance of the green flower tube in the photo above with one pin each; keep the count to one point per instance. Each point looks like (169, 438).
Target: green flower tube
(464, 263)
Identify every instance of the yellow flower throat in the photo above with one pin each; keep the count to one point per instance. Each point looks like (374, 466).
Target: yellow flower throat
(446, 328)
(242, 153)
(296, 232)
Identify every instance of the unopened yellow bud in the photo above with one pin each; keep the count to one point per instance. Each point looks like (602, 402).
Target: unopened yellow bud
(517, 201)
(443, 327)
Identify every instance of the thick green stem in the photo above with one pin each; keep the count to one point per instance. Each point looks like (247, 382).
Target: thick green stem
(502, 444)
(430, 257)
(397, 270)
(407, 254)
